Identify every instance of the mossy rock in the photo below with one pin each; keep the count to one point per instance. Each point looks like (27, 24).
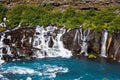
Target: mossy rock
(2, 29)
(91, 56)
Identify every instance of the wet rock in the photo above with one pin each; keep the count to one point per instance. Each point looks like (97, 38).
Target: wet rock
(114, 50)
(68, 40)
(6, 41)
(26, 43)
(94, 43)
(21, 45)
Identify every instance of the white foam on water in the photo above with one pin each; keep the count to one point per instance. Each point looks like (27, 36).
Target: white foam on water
(29, 78)
(2, 61)
(1, 75)
(3, 78)
(22, 70)
(50, 71)
(77, 79)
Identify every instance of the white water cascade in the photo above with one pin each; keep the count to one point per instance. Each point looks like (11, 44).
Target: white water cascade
(104, 43)
(82, 38)
(41, 42)
(116, 51)
(1, 47)
(8, 47)
(75, 40)
(45, 42)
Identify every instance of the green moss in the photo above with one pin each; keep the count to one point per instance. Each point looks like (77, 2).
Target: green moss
(108, 18)
(91, 56)
(2, 29)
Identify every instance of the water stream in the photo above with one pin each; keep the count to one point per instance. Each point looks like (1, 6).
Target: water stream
(104, 43)
(59, 69)
(81, 38)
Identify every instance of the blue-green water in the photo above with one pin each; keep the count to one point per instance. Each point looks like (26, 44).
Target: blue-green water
(59, 69)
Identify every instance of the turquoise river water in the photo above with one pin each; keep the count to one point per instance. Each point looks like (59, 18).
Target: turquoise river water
(59, 69)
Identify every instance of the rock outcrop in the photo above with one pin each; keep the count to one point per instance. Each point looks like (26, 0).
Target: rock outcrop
(20, 43)
(62, 4)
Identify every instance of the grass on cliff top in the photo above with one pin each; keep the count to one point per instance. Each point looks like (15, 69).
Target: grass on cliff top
(108, 18)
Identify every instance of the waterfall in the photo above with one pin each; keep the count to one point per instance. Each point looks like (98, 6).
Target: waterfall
(41, 41)
(5, 46)
(1, 47)
(75, 40)
(116, 51)
(82, 38)
(46, 42)
(104, 43)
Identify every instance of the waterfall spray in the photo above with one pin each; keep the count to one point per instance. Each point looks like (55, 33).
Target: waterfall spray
(104, 43)
(42, 41)
(82, 38)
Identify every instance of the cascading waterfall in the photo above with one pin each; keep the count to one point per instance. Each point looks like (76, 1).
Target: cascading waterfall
(82, 38)
(75, 41)
(116, 51)
(1, 47)
(46, 42)
(84, 45)
(41, 42)
(104, 43)
(8, 47)
(58, 45)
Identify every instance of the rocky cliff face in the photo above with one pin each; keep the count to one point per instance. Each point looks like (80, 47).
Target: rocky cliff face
(62, 4)
(20, 44)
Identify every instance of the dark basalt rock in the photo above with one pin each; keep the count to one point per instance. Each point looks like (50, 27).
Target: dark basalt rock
(94, 43)
(6, 41)
(68, 40)
(114, 50)
(27, 51)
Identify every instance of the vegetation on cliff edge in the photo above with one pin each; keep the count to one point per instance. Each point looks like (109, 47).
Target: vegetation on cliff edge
(108, 18)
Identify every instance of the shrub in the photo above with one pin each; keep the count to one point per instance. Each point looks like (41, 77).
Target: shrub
(14, 15)
(45, 15)
(3, 11)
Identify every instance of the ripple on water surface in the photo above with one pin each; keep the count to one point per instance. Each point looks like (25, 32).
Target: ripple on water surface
(59, 69)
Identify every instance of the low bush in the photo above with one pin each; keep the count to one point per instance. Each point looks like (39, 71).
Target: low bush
(108, 18)
(3, 11)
